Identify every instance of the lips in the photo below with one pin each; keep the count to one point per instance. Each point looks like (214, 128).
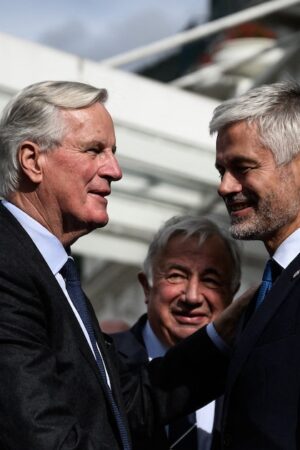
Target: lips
(238, 205)
(99, 197)
(190, 318)
(101, 193)
(238, 208)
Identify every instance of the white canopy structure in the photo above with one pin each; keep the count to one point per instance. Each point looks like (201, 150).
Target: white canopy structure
(167, 158)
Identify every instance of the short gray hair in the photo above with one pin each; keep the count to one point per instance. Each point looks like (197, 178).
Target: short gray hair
(192, 226)
(274, 109)
(34, 114)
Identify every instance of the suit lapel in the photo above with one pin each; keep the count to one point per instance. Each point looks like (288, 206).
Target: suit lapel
(260, 319)
(218, 413)
(130, 343)
(105, 344)
(80, 339)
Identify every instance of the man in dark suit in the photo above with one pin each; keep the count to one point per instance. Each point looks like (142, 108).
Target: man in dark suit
(258, 158)
(61, 380)
(190, 274)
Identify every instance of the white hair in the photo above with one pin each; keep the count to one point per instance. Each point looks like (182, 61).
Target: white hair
(34, 114)
(274, 109)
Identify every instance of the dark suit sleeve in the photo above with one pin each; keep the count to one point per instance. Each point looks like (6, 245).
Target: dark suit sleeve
(190, 375)
(34, 412)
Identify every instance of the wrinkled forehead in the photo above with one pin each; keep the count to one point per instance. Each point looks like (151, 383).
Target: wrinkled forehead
(181, 244)
(93, 122)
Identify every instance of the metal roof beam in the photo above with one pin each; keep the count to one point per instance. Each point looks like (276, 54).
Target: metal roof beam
(204, 30)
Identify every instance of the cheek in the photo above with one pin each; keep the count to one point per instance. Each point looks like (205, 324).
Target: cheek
(161, 299)
(89, 172)
(169, 293)
(81, 172)
(217, 301)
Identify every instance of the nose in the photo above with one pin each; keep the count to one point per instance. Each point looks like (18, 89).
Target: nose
(192, 293)
(229, 185)
(113, 169)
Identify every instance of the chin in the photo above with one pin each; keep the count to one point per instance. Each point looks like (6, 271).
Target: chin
(98, 221)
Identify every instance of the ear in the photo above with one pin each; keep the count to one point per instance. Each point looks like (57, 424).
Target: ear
(29, 160)
(145, 285)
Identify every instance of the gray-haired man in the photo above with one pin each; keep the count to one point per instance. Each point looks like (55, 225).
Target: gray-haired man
(190, 274)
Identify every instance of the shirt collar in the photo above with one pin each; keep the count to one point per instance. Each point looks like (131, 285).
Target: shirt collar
(153, 345)
(49, 246)
(288, 249)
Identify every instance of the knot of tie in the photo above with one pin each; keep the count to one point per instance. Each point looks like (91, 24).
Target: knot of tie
(69, 271)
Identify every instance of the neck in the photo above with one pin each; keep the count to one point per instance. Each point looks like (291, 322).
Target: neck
(32, 205)
(273, 242)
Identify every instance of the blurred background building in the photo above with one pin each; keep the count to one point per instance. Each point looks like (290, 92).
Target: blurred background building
(162, 96)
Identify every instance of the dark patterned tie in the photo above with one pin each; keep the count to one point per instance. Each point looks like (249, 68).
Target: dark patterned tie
(73, 286)
(183, 433)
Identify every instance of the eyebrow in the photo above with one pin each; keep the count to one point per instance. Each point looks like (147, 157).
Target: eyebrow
(237, 160)
(99, 144)
(212, 270)
(208, 270)
(176, 266)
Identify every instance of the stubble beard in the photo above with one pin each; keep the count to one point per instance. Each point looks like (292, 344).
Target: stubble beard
(269, 216)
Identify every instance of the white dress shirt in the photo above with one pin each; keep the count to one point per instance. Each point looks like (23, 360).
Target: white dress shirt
(205, 415)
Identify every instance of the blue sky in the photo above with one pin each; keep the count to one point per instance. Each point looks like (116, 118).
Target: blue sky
(98, 28)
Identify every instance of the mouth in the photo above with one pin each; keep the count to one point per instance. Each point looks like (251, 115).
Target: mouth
(101, 194)
(191, 318)
(238, 208)
(99, 197)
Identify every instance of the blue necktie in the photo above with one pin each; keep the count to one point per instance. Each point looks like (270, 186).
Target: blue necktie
(266, 284)
(73, 286)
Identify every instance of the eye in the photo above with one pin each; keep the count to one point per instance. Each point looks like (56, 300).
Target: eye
(94, 150)
(211, 282)
(243, 169)
(176, 277)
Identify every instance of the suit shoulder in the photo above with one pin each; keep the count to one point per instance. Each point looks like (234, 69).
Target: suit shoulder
(130, 349)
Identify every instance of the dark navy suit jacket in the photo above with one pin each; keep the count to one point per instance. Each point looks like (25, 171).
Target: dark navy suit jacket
(262, 399)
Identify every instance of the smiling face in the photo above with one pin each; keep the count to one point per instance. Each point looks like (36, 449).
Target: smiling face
(191, 286)
(76, 176)
(262, 199)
